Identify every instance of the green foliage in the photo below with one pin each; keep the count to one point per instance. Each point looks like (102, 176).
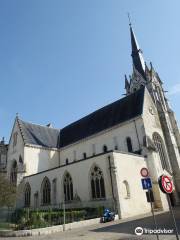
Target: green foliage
(26, 219)
(8, 192)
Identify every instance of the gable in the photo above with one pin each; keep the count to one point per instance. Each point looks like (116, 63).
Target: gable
(16, 136)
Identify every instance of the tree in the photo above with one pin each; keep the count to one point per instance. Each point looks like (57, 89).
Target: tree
(7, 192)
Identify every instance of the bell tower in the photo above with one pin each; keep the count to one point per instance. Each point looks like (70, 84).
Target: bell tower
(147, 76)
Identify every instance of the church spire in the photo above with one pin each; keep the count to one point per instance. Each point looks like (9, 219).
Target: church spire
(137, 56)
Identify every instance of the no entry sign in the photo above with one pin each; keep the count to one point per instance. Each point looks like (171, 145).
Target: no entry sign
(165, 184)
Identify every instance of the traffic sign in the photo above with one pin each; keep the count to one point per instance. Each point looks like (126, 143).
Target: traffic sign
(144, 172)
(146, 183)
(165, 184)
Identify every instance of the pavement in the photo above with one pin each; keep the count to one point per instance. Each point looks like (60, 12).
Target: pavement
(120, 229)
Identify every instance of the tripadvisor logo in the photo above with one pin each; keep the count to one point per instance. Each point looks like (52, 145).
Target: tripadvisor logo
(138, 231)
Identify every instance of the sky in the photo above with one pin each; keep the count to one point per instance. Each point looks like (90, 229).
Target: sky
(63, 59)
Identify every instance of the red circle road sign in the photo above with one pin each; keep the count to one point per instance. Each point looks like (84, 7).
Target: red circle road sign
(144, 172)
(166, 184)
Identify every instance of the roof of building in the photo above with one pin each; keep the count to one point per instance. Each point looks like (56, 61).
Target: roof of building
(117, 112)
(39, 135)
(138, 60)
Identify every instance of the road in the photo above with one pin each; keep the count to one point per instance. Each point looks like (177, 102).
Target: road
(121, 229)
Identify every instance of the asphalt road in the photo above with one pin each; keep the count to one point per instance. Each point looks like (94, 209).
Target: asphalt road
(121, 229)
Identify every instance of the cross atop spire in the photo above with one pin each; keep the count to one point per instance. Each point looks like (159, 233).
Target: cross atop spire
(137, 57)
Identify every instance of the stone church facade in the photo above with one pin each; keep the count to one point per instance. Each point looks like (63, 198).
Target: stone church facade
(96, 161)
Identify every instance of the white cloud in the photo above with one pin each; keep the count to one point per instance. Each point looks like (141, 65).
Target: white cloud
(174, 89)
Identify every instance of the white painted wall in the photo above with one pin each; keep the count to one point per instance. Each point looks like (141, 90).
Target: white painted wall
(120, 133)
(128, 168)
(40, 159)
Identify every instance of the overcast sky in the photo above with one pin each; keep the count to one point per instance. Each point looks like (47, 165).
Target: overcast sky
(62, 59)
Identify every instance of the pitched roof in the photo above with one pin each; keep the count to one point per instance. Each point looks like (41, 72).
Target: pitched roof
(39, 135)
(117, 112)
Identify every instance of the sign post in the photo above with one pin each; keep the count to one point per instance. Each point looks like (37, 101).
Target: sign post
(166, 186)
(147, 185)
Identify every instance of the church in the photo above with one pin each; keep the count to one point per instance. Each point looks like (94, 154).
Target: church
(96, 161)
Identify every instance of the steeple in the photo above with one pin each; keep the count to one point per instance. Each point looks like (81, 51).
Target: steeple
(136, 54)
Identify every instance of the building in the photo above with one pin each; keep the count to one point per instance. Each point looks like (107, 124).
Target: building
(96, 161)
(3, 157)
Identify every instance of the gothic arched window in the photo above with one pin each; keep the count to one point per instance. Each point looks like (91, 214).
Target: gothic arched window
(13, 173)
(27, 195)
(105, 149)
(68, 187)
(97, 183)
(161, 150)
(46, 192)
(129, 144)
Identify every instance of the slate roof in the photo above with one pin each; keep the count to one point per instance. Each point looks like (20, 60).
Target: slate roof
(117, 112)
(39, 135)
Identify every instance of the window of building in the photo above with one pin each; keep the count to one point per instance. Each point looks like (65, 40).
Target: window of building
(36, 200)
(20, 159)
(97, 183)
(74, 155)
(105, 149)
(84, 155)
(13, 173)
(54, 189)
(129, 144)
(68, 187)
(115, 143)
(27, 195)
(93, 149)
(46, 192)
(15, 139)
(67, 161)
(158, 142)
(3, 160)
(126, 189)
